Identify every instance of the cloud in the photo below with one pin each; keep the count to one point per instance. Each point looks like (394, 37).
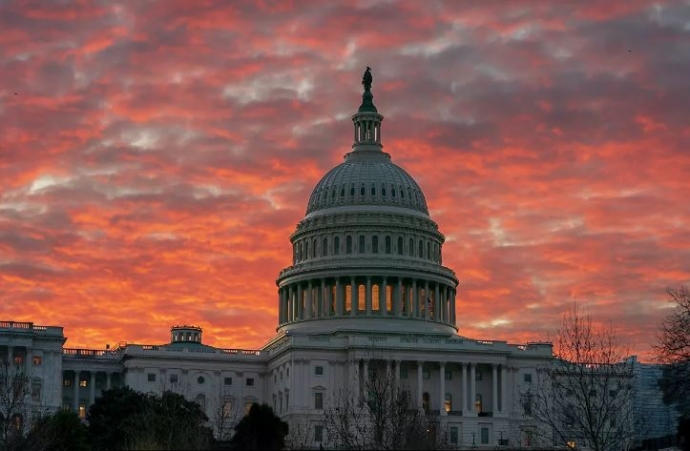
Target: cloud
(155, 157)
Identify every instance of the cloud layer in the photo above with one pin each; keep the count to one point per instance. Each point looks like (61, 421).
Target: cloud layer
(156, 156)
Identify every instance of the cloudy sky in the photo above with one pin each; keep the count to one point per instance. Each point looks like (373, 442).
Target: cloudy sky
(156, 156)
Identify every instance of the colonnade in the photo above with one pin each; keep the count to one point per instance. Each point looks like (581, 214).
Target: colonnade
(90, 383)
(380, 296)
(469, 406)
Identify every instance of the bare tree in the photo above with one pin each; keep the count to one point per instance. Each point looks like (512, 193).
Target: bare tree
(583, 397)
(383, 417)
(673, 349)
(224, 417)
(298, 436)
(14, 389)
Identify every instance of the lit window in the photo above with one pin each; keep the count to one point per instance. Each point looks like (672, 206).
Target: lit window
(448, 403)
(318, 400)
(227, 408)
(67, 382)
(82, 411)
(318, 434)
(151, 377)
(227, 381)
(318, 370)
(18, 360)
(478, 403)
(484, 436)
(250, 382)
(527, 378)
(247, 407)
(83, 383)
(38, 360)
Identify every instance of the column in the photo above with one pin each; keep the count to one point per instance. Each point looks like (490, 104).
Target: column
(291, 303)
(397, 376)
(419, 383)
(354, 297)
(438, 305)
(442, 384)
(452, 306)
(92, 388)
(354, 366)
(415, 299)
(464, 387)
(398, 299)
(365, 376)
(339, 307)
(75, 401)
(494, 388)
(319, 299)
(309, 299)
(382, 297)
(503, 388)
(107, 380)
(473, 385)
(388, 371)
(367, 296)
(426, 300)
(300, 301)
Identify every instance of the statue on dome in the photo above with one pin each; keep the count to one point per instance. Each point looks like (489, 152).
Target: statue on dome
(367, 79)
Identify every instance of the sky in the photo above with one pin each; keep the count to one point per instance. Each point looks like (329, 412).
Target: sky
(156, 156)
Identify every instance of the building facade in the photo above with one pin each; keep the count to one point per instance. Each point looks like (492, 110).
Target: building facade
(367, 293)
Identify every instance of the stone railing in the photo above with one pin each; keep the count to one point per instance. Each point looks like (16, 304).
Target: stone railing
(21, 326)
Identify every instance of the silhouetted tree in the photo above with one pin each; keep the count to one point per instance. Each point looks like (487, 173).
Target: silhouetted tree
(673, 349)
(260, 429)
(62, 431)
(584, 394)
(14, 388)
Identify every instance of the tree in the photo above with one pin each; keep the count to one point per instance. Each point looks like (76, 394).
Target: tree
(384, 417)
(14, 388)
(584, 395)
(62, 431)
(123, 418)
(260, 429)
(673, 349)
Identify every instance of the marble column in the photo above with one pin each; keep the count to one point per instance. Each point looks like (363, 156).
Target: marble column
(383, 307)
(354, 297)
(75, 394)
(465, 396)
(437, 303)
(426, 300)
(308, 301)
(397, 375)
(399, 299)
(339, 301)
(504, 374)
(108, 375)
(473, 386)
(92, 387)
(420, 393)
(367, 297)
(494, 388)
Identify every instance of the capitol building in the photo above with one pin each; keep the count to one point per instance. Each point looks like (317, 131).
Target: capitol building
(366, 294)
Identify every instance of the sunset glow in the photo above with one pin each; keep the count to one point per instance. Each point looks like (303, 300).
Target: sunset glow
(156, 156)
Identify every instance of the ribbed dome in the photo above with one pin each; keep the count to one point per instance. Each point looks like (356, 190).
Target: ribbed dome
(367, 178)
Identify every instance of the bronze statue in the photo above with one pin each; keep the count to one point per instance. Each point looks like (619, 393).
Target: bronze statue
(367, 79)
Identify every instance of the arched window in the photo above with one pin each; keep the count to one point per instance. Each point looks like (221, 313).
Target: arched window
(342, 192)
(333, 194)
(428, 250)
(393, 191)
(410, 248)
(420, 252)
(448, 403)
(362, 191)
(388, 245)
(373, 190)
(352, 191)
(400, 245)
(348, 244)
(336, 245)
(361, 244)
(478, 403)
(383, 190)
(306, 255)
(313, 248)
(324, 247)
(201, 400)
(375, 244)
(402, 193)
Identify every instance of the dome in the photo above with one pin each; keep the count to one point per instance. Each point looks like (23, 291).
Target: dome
(367, 256)
(367, 178)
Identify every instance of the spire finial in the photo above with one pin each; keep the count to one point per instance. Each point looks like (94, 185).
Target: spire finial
(367, 96)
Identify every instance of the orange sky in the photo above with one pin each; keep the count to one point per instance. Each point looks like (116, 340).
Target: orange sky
(156, 156)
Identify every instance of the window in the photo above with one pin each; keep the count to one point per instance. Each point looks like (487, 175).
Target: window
(318, 370)
(400, 245)
(527, 378)
(388, 245)
(403, 373)
(426, 374)
(420, 252)
(484, 436)
(362, 191)
(247, 406)
(173, 378)
(318, 400)
(250, 382)
(449, 375)
(478, 403)
(200, 380)
(410, 248)
(348, 244)
(83, 383)
(67, 382)
(227, 381)
(425, 402)
(151, 378)
(448, 402)
(375, 244)
(336, 245)
(454, 435)
(361, 244)
(318, 433)
(478, 376)
(18, 360)
(38, 360)
(527, 403)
